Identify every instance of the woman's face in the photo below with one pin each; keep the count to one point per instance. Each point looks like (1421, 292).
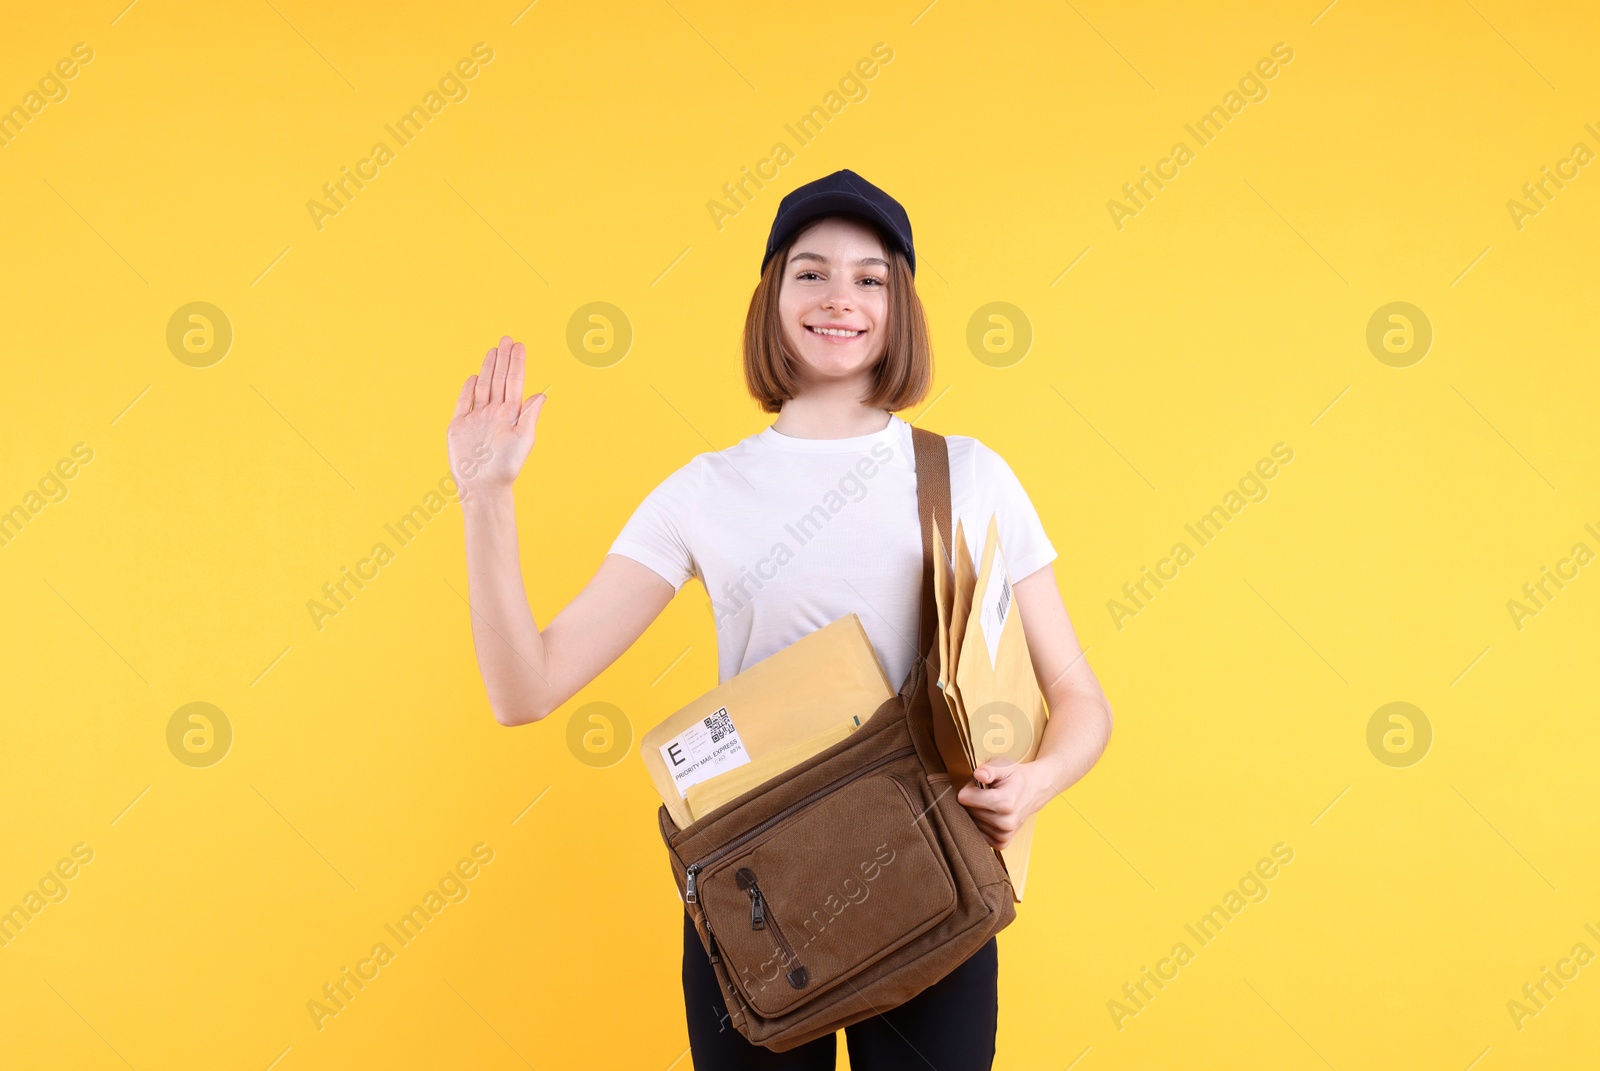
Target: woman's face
(835, 280)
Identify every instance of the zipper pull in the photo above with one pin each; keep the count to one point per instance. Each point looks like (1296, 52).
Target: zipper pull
(758, 909)
(689, 896)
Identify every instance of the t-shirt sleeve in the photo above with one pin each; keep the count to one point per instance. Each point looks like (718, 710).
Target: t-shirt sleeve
(1028, 548)
(657, 535)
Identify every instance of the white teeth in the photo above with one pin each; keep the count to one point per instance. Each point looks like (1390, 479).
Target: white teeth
(835, 331)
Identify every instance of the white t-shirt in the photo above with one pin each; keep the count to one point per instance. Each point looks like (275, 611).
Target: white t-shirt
(790, 534)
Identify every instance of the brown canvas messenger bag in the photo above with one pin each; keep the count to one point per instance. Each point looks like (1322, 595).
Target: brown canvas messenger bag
(855, 880)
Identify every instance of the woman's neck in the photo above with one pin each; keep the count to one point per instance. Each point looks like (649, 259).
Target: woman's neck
(821, 413)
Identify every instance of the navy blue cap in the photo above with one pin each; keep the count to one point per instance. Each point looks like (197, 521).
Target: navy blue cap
(841, 193)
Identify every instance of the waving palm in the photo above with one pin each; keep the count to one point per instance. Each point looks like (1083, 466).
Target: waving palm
(492, 430)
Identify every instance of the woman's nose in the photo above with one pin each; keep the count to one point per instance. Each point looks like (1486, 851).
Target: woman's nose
(838, 295)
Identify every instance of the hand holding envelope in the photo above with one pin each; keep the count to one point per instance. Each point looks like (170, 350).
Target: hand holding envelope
(985, 674)
(812, 694)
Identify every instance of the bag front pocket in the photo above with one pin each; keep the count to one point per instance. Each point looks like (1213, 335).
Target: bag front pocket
(826, 891)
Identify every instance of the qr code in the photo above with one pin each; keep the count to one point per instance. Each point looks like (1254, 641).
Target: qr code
(719, 724)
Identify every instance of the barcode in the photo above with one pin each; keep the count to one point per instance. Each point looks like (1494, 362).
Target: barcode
(719, 724)
(1005, 598)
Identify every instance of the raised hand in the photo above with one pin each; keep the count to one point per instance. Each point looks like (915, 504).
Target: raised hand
(492, 430)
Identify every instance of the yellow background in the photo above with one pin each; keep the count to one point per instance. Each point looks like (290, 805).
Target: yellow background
(1228, 316)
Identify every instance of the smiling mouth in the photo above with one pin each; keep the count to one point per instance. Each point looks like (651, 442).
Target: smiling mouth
(834, 332)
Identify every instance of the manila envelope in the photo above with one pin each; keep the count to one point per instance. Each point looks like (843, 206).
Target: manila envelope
(1005, 711)
(960, 607)
(946, 707)
(707, 796)
(826, 677)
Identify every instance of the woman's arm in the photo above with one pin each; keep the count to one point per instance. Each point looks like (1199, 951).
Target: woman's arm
(1075, 734)
(528, 672)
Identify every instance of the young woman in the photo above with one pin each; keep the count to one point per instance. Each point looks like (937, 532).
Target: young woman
(810, 519)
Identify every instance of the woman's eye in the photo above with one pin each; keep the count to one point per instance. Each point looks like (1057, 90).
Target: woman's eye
(809, 274)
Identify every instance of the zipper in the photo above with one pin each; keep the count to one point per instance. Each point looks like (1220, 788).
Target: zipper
(797, 975)
(694, 868)
(758, 906)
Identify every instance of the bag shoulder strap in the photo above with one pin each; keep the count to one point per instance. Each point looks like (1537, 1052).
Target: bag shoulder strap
(931, 456)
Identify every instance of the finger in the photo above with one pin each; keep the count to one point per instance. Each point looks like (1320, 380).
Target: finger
(480, 390)
(464, 403)
(987, 815)
(998, 776)
(502, 368)
(995, 837)
(974, 799)
(528, 419)
(996, 833)
(995, 803)
(516, 374)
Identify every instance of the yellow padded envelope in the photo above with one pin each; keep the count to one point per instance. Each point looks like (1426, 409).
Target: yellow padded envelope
(960, 608)
(829, 677)
(707, 796)
(947, 713)
(994, 673)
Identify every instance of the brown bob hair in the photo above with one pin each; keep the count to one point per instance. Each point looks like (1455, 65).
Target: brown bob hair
(903, 375)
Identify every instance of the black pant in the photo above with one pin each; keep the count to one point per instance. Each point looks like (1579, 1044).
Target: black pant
(949, 1026)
